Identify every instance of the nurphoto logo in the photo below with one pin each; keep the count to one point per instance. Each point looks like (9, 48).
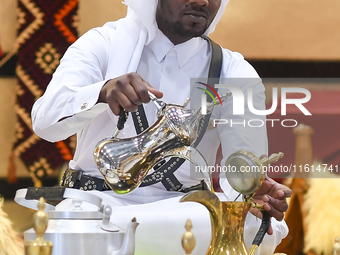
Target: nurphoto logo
(238, 104)
(204, 98)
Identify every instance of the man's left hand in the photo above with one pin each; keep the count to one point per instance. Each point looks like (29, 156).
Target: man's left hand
(273, 196)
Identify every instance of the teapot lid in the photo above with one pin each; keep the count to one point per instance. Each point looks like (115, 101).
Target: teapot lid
(77, 213)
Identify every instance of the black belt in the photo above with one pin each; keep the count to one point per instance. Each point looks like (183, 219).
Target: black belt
(76, 179)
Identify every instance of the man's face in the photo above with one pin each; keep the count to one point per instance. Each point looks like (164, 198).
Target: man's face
(180, 20)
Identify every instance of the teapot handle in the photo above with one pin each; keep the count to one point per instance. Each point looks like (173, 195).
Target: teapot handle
(261, 233)
(28, 197)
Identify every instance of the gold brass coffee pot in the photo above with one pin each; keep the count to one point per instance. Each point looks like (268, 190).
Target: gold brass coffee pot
(227, 223)
(124, 162)
(228, 218)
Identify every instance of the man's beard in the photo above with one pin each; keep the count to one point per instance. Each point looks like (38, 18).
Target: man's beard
(177, 28)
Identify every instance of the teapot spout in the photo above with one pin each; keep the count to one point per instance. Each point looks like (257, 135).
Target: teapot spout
(128, 246)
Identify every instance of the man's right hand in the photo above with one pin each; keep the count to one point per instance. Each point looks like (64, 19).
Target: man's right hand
(127, 91)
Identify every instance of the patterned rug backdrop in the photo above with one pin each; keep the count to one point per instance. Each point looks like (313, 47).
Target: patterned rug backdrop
(45, 30)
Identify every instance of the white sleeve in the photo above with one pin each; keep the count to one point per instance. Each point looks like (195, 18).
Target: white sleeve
(69, 101)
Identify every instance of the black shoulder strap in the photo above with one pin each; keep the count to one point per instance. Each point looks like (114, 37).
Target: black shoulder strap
(215, 61)
(214, 72)
(164, 171)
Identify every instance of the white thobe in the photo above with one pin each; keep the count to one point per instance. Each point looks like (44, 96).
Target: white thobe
(69, 106)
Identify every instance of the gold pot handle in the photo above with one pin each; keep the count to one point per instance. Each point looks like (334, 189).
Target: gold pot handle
(261, 233)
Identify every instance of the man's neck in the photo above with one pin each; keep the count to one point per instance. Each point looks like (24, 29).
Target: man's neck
(176, 39)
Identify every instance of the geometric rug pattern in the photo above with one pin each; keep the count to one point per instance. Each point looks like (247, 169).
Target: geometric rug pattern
(45, 30)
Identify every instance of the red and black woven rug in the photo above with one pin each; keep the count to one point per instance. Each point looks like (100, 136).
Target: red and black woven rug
(45, 30)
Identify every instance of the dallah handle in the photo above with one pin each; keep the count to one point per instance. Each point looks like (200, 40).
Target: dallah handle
(261, 233)
(123, 115)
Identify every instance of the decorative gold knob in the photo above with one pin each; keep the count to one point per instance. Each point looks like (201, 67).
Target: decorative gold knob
(272, 158)
(188, 239)
(40, 221)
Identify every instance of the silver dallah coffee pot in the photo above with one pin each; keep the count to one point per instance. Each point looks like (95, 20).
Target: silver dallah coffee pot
(79, 231)
(124, 162)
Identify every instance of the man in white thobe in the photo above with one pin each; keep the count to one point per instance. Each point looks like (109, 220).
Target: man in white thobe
(157, 47)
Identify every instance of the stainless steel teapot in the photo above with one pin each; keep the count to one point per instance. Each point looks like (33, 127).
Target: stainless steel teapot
(78, 231)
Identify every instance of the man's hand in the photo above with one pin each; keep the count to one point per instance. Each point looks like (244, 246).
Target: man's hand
(127, 91)
(273, 195)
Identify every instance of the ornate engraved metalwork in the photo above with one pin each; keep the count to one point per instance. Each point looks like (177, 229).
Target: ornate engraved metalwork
(125, 162)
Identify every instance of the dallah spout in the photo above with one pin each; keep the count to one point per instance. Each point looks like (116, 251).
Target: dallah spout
(213, 204)
(185, 122)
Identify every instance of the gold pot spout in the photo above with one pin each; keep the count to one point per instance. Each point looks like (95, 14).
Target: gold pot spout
(227, 222)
